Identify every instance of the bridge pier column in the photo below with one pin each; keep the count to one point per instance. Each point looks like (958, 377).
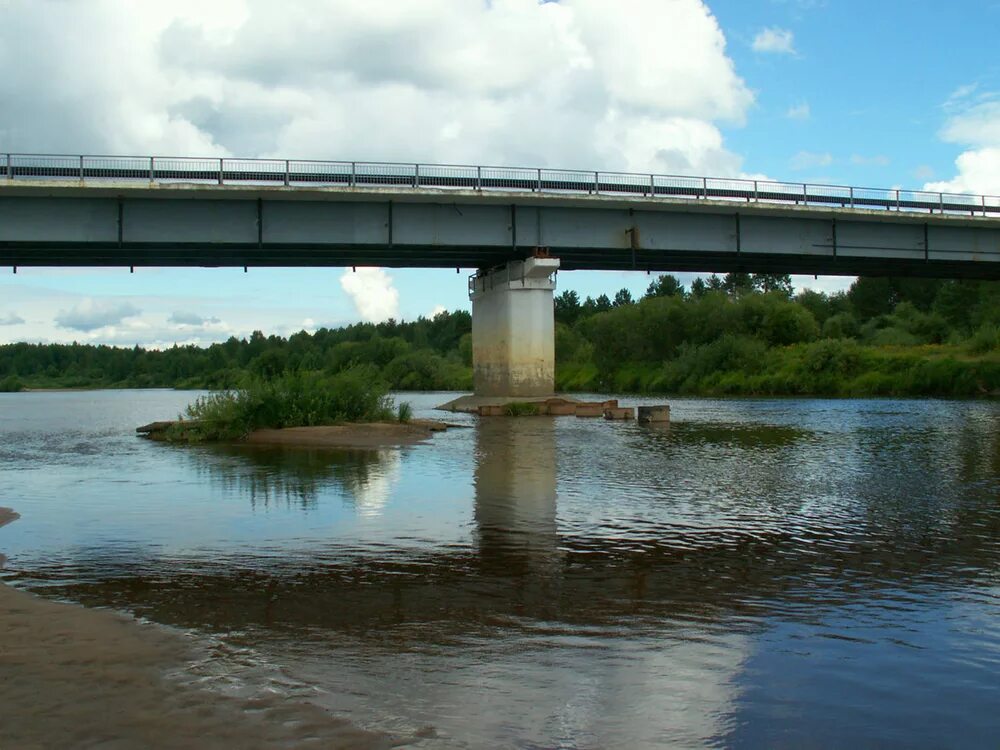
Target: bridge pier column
(513, 329)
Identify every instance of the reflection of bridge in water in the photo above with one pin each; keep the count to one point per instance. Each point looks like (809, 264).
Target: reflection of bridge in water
(523, 560)
(614, 622)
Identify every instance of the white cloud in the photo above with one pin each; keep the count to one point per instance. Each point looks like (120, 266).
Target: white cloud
(977, 127)
(553, 84)
(187, 318)
(374, 296)
(799, 111)
(11, 320)
(879, 160)
(774, 40)
(810, 160)
(91, 314)
(438, 309)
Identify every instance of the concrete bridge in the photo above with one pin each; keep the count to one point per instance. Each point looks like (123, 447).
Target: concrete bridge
(516, 226)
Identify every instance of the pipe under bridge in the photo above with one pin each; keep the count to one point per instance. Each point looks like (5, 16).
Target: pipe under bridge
(516, 226)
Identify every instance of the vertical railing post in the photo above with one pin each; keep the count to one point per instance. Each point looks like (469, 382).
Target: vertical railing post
(756, 192)
(152, 168)
(851, 193)
(897, 199)
(597, 184)
(479, 178)
(984, 197)
(288, 176)
(704, 188)
(940, 203)
(354, 174)
(539, 182)
(652, 186)
(416, 175)
(10, 176)
(805, 194)
(81, 168)
(220, 171)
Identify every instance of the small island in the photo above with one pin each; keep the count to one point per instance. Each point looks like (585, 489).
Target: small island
(351, 409)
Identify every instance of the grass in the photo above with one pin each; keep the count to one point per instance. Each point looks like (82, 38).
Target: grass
(521, 409)
(301, 399)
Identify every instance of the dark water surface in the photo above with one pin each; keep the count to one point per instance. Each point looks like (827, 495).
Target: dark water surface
(775, 573)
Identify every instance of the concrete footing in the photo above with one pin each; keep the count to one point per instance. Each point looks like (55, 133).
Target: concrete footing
(654, 414)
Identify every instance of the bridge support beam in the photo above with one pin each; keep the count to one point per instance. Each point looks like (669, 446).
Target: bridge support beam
(513, 329)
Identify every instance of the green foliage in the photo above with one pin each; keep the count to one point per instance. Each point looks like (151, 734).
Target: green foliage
(665, 285)
(741, 334)
(291, 400)
(404, 411)
(521, 409)
(985, 339)
(11, 384)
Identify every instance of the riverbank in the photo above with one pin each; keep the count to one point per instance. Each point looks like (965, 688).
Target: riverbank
(76, 677)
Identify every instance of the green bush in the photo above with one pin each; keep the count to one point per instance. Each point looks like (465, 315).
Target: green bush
(985, 339)
(11, 384)
(292, 400)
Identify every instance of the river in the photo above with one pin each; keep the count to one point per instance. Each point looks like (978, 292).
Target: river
(763, 573)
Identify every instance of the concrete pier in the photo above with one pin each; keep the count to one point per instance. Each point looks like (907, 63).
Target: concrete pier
(513, 329)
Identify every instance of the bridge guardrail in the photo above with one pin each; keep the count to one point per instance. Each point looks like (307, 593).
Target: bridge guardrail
(303, 173)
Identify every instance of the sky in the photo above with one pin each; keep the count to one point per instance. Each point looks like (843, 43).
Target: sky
(880, 94)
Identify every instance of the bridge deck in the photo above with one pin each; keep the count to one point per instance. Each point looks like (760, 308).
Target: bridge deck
(140, 211)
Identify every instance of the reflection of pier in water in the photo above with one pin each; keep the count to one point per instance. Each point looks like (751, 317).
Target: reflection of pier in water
(522, 562)
(515, 504)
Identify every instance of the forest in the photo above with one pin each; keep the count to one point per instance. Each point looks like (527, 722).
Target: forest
(738, 334)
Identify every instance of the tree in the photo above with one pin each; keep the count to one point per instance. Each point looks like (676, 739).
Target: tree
(567, 307)
(664, 285)
(773, 282)
(602, 303)
(737, 284)
(698, 288)
(623, 297)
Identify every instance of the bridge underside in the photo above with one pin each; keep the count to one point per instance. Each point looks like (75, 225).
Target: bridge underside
(430, 256)
(237, 226)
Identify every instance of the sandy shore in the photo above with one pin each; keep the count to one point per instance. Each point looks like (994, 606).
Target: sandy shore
(72, 677)
(366, 435)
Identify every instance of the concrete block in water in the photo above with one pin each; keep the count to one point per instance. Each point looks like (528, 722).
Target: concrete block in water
(659, 414)
(589, 410)
(558, 407)
(620, 412)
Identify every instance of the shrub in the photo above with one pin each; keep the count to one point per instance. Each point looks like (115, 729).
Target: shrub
(11, 384)
(984, 340)
(292, 400)
(404, 412)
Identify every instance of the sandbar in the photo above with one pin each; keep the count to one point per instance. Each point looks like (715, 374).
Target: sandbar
(77, 677)
(362, 435)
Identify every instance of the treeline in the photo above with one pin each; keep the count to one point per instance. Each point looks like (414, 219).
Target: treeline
(420, 355)
(737, 334)
(748, 334)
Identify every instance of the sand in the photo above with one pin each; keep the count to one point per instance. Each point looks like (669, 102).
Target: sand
(72, 677)
(366, 435)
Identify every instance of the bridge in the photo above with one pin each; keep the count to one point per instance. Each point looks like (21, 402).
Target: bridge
(515, 226)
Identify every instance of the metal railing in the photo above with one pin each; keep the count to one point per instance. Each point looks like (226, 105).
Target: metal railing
(356, 174)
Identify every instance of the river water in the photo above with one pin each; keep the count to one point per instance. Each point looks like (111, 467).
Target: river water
(764, 573)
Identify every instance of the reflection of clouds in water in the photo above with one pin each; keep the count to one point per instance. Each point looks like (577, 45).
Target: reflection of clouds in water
(371, 490)
(295, 476)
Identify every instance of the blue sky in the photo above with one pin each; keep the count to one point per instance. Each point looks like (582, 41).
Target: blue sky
(875, 94)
